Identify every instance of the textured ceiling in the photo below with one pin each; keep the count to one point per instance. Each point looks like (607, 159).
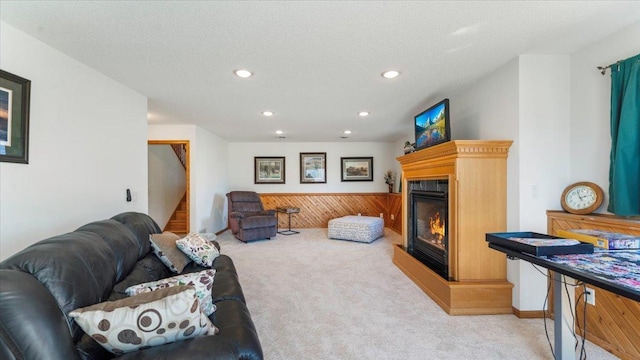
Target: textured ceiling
(316, 64)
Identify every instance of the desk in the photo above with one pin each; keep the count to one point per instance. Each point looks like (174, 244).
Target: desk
(287, 210)
(572, 267)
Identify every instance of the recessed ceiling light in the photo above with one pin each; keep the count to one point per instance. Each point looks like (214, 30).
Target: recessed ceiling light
(279, 132)
(243, 73)
(363, 113)
(347, 132)
(390, 74)
(267, 113)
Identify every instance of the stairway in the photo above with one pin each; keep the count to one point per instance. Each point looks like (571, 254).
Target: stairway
(177, 223)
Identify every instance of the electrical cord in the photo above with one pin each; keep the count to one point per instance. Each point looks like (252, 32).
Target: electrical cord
(572, 308)
(583, 295)
(546, 313)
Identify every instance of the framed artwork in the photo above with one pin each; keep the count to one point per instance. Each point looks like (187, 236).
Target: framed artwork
(14, 118)
(356, 168)
(313, 168)
(269, 170)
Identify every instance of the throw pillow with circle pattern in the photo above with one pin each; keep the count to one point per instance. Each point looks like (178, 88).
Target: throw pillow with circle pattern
(199, 249)
(145, 320)
(201, 281)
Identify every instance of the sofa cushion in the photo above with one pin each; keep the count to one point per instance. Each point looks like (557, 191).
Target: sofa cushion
(141, 225)
(147, 269)
(77, 268)
(31, 323)
(199, 249)
(259, 221)
(164, 246)
(121, 240)
(201, 281)
(145, 320)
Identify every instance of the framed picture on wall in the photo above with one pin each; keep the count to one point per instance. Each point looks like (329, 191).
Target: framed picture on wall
(356, 168)
(313, 168)
(14, 118)
(269, 170)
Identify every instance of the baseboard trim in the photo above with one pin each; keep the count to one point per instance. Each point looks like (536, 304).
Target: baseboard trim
(528, 314)
(223, 230)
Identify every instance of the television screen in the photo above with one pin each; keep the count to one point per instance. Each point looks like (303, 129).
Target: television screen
(432, 125)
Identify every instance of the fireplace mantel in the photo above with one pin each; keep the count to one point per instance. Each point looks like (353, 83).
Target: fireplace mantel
(477, 175)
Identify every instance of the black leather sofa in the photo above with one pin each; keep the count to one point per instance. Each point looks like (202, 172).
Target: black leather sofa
(40, 285)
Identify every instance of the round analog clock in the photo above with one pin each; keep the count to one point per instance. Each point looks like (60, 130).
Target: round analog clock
(582, 198)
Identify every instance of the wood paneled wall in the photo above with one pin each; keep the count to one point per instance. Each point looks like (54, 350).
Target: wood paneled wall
(614, 322)
(318, 208)
(395, 209)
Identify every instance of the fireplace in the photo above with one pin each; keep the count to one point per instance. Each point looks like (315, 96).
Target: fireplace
(465, 182)
(428, 224)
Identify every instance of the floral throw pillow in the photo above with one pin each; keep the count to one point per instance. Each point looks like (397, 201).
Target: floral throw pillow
(145, 320)
(199, 249)
(164, 246)
(201, 281)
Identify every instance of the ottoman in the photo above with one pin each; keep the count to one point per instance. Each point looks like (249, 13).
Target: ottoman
(356, 228)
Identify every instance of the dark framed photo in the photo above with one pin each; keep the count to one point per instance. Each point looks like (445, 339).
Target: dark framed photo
(14, 118)
(269, 170)
(313, 168)
(356, 168)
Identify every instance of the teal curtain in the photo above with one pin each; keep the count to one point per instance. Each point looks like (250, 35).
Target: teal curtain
(624, 171)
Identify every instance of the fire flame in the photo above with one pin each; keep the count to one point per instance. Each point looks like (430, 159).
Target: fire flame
(437, 226)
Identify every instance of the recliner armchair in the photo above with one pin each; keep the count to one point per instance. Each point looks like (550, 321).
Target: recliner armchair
(248, 219)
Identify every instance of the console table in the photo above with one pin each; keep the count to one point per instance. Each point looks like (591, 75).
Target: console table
(565, 271)
(608, 325)
(287, 210)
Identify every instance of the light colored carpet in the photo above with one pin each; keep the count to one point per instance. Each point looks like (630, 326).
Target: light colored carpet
(315, 298)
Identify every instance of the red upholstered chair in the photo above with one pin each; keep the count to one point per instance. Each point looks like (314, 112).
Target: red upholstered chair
(248, 219)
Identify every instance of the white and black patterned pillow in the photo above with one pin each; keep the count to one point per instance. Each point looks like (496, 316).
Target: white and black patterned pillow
(201, 281)
(145, 320)
(199, 249)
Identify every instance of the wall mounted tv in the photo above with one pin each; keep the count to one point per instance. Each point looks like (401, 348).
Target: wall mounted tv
(432, 125)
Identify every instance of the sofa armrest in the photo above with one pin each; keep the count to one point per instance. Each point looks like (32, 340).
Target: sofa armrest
(236, 215)
(270, 212)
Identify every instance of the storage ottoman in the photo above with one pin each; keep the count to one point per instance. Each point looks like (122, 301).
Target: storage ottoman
(356, 228)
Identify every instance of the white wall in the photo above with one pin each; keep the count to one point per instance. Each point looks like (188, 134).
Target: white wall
(241, 165)
(590, 98)
(167, 183)
(489, 110)
(544, 114)
(87, 145)
(211, 180)
(208, 178)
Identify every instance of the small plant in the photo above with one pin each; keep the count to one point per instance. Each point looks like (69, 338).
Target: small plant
(389, 177)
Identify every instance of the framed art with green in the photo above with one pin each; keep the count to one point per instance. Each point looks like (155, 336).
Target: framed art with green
(269, 170)
(356, 168)
(14, 118)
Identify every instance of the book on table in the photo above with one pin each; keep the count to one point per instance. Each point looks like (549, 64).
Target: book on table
(603, 239)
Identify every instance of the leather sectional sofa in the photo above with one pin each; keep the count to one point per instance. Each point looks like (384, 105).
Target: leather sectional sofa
(42, 284)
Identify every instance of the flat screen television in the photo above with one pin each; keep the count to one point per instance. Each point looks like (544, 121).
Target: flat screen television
(432, 125)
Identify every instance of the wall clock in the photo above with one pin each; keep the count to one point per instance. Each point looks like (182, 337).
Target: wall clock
(582, 198)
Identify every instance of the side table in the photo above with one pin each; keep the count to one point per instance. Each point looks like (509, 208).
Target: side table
(287, 210)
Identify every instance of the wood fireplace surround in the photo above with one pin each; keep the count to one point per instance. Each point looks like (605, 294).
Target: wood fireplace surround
(476, 171)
